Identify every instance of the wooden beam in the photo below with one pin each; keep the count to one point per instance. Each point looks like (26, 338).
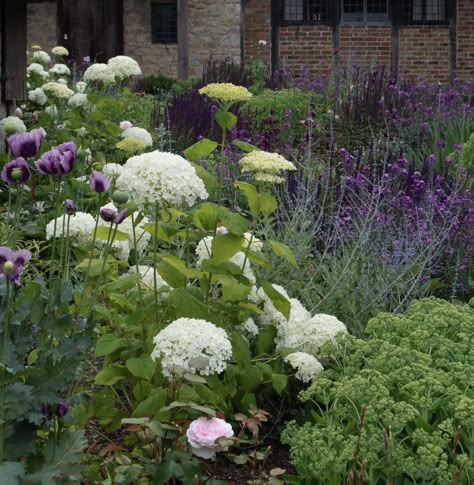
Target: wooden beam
(183, 42)
(14, 50)
(276, 11)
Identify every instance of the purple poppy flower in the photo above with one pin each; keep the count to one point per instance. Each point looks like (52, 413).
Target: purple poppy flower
(16, 171)
(58, 161)
(99, 182)
(12, 263)
(26, 144)
(70, 207)
(63, 408)
(46, 411)
(111, 215)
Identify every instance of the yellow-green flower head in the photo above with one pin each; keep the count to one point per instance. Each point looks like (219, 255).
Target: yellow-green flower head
(131, 145)
(226, 93)
(265, 166)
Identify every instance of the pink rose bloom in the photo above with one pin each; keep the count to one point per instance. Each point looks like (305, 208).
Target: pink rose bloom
(125, 125)
(203, 433)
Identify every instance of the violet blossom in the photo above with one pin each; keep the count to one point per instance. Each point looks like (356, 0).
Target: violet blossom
(16, 171)
(26, 144)
(109, 214)
(12, 263)
(58, 161)
(99, 182)
(70, 207)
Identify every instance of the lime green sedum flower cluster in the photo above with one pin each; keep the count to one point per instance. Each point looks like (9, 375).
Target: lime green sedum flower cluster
(415, 374)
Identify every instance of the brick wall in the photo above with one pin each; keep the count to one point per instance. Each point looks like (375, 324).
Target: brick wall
(41, 25)
(306, 46)
(424, 51)
(257, 26)
(361, 45)
(465, 40)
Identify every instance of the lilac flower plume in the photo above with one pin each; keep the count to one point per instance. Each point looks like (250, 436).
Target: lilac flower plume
(58, 161)
(16, 171)
(26, 144)
(12, 263)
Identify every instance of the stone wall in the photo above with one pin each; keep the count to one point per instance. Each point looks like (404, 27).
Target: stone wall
(41, 25)
(213, 30)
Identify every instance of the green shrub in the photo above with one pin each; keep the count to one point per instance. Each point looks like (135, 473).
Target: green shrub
(157, 82)
(413, 378)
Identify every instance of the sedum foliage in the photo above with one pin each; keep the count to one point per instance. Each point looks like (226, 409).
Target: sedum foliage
(415, 375)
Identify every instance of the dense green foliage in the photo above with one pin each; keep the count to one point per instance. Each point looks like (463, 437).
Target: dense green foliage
(414, 374)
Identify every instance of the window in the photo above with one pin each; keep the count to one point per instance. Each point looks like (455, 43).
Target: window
(164, 21)
(365, 11)
(424, 11)
(305, 11)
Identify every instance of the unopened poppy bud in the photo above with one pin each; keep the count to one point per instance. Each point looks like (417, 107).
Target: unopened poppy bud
(120, 196)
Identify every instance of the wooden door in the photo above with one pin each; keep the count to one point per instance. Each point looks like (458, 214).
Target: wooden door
(91, 28)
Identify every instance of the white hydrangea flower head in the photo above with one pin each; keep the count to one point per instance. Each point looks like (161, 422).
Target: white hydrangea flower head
(248, 328)
(112, 170)
(256, 244)
(81, 226)
(265, 166)
(37, 96)
(271, 314)
(123, 67)
(77, 100)
(60, 70)
(57, 90)
(12, 124)
(81, 86)
(148, 280)
(60, 51)
(226, 93)
(186, 340)
(38, 69)
(99, 72)
(221, 230)
(52, 111)
(204, 251)
(61, 80)
(308, 336)
(139, 134)
(307, 366)
(121, 249)
(161, 178)
(41, 56)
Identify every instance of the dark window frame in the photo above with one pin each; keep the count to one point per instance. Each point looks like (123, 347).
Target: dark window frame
(305, 20)
(368, 18)
(164, 37)
(423, 21)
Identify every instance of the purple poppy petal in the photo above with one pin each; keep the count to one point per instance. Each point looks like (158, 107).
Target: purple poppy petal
(107, 214)
(99, 182)
(121, 216)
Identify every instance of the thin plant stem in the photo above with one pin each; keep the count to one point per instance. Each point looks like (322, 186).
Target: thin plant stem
(137, 262)
(57, 186)
(155, 260)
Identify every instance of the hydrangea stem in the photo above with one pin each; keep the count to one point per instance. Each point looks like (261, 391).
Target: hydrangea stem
(155, 259)
(137, 261)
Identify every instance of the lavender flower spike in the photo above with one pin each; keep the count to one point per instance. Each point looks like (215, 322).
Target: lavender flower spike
(58, 161)
(16, 171)
(26, 144)
(12, 263)
(99, 182)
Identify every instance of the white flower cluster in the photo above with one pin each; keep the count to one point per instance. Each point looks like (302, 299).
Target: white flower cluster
(204, 251)
(121, 249)
(41, 56)
(37, 96)
(112, 170)
(81, 226)
(60, 51)
(100, 73)
(161, 178)
(187, 341)
(57, 90)
(77, 100)
(265, 166)
(248, 328)
(307, 366)
(12, 124)
(37, 69)
(123, 67)
(81, 86)
(60, 70)
(139, 134)
(309, 336)
(148, 280)
(256, 244)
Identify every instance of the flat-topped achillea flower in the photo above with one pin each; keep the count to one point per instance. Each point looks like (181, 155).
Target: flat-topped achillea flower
(12, 263)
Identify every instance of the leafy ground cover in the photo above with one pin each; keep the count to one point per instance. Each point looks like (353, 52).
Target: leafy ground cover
(238, 278)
